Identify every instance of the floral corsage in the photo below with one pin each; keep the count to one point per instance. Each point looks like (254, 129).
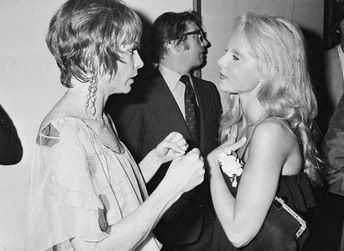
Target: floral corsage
(231, 166)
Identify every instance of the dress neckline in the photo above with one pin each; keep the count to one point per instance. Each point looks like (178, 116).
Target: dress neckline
(249, 137)
(254, 125)
(112, 125)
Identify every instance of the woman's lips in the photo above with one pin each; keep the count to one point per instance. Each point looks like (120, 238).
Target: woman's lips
(223, 76)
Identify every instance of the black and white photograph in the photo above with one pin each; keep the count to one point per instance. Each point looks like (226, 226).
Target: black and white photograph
(172, 125)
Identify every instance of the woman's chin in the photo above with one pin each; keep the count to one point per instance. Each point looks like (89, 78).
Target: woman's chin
(126, 91)
(224, 87)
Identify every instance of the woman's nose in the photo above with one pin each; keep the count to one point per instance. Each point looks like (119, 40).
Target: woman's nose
(221, 62)
(138, 61)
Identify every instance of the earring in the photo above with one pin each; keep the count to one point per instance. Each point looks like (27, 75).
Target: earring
(91, 96)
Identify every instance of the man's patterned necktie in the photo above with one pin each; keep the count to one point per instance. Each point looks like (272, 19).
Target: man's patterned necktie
(191, 108)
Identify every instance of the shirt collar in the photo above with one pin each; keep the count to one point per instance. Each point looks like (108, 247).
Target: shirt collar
(171, 77)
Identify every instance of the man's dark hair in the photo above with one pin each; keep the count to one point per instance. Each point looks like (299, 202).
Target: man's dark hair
(170, 26)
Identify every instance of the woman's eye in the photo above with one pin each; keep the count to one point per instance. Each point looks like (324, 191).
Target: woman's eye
(132, 50)
(235, 58)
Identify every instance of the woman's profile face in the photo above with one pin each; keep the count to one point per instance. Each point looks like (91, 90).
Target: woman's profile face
(126, 70)
(238, 68)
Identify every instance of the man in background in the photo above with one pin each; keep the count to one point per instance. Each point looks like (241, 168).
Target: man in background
(334, 65)
(170, 99)
(326, 223)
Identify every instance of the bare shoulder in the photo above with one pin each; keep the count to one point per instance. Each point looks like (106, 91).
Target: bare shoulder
(274, 126)
(274, 134)
(51, 116)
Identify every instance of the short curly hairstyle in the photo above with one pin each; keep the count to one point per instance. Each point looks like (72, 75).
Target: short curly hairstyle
(86, 36)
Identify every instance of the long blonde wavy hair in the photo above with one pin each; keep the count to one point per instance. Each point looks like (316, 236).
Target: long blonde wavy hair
(287, 93)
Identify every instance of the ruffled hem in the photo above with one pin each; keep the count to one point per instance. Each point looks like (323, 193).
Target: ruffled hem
(59, 223)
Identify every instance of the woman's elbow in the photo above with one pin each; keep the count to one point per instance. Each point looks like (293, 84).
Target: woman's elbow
(240, 242)
(239, 239)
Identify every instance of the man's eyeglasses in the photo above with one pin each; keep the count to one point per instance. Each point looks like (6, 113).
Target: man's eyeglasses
(200, 34)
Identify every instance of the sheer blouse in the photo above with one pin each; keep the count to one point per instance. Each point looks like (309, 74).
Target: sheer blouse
(80, 187)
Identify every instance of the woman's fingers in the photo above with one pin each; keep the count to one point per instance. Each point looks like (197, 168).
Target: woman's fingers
(187, 171)
(227, 148)
(233, 147)
(178, 139)
(180, 149)
(174, 136)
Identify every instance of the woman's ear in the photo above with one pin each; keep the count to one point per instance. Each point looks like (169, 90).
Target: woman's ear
(258, 86)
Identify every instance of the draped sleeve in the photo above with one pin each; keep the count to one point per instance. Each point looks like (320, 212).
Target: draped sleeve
(63, 201)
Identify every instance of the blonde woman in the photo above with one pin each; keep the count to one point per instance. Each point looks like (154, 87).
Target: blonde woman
(273, 106)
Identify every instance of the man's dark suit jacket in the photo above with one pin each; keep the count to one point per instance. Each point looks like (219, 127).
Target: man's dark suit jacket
(146, 117)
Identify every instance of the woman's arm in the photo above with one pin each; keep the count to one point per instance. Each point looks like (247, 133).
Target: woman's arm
(185, 173)
(243, 216)
(172, 146)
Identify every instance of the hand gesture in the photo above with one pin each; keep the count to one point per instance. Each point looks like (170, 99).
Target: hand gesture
(232, 134)
(226, 148)
(186, 172)
(172, 146)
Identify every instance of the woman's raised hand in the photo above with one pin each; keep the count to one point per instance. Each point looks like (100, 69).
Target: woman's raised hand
(227, 147)
(172, 146)
(186, 172)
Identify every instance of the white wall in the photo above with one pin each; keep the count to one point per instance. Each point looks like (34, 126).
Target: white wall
(29, 84)
(219, 14)
(151, 9)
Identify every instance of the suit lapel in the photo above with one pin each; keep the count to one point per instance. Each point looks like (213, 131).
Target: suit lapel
(201, 98)
(168, 108)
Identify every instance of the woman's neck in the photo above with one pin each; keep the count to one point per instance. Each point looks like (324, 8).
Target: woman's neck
(252, 110)
(75, 100)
